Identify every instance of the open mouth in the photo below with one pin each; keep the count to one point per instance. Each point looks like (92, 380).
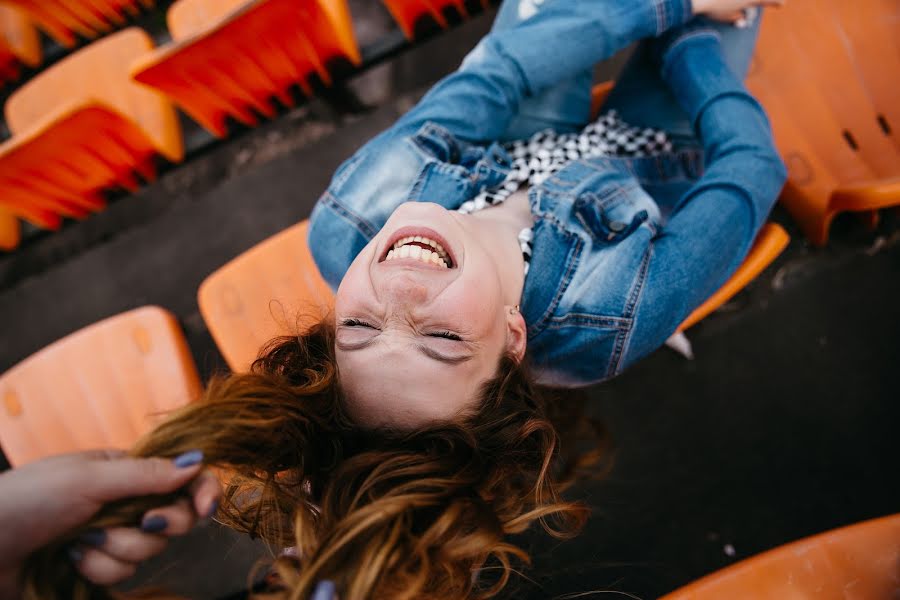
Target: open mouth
(420, 245)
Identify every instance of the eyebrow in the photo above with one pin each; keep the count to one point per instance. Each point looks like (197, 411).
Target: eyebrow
(429, 352)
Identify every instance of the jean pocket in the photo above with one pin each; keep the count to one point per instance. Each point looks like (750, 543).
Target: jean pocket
(616, 214)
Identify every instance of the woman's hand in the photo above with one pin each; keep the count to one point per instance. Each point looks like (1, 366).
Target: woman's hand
(46, 499)
(730, 11)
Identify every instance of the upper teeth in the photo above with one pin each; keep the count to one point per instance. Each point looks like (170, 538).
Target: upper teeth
(438, 256)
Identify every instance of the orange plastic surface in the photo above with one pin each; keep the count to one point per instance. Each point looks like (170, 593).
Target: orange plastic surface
(408, 12)
(10, 231)
(100, 387)
(599, 93)
(67, 20)
(187, 19)
(272, 289)
(826, 71)
(71, 140)
(20, 43)
(769, 244)
(859, 562)
(240, 59)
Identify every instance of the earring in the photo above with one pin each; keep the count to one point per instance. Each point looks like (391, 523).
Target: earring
(514, 309)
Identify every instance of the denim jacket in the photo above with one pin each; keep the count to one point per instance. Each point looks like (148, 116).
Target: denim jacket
(624, 248)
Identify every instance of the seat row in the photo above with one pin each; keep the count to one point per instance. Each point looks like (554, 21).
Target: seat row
(831, 98)
(69, 21)
(229, 62)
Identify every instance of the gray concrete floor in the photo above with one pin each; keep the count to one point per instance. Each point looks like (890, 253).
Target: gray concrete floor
(783, 426)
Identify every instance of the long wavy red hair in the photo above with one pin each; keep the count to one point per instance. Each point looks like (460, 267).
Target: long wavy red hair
(384, 514)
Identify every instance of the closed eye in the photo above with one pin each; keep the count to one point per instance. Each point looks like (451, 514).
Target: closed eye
(446, 335)
(357, 323)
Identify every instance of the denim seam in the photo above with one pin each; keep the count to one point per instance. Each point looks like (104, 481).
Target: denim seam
(430, 129)
(571, 264)
(589, 320)
(361, 224)
(660, 17)
(634, 299)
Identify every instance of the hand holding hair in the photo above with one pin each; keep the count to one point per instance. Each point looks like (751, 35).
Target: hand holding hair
(48, 502)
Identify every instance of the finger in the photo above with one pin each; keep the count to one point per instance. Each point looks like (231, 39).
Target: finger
(99, 567)
(117, 478)
(126, 544)
(101, 453)
(175, 519)
(206, 490)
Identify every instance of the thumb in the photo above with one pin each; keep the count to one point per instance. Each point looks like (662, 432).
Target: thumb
(115, 478)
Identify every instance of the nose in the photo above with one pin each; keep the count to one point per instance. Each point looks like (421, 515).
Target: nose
(402, 288)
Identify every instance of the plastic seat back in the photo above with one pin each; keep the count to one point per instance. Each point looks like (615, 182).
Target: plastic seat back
(10, 231)
(418, 18)
(270, 290)
(193, 17)
(68, 20)
(105, 65)
(233, 67)
(100, 387)
(859, 562)
(20, 43)
(826, 73)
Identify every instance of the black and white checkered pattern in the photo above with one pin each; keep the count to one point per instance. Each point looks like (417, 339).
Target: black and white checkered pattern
(536, 159)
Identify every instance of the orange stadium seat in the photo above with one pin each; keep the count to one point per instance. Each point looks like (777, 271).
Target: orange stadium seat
(827, 74)
(272, 289)
(859, 562)
(421, 17)
(20, 44)
(100, 387)
(230, 59)
(10, 231)
(68, 20)
(71, 140)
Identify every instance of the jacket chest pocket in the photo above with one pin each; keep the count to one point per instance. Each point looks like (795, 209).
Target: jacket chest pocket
(614, 213)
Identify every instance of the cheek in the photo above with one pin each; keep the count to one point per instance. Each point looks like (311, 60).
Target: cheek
(356, 280)
(478, 303)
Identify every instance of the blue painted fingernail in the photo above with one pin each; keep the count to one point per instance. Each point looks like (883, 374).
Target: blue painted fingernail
(75, 554)
(324, 590)
(154, 524)
(93, 537)
(212, 509)
(188, 459)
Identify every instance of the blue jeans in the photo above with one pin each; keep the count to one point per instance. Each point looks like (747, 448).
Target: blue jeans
(640, 96)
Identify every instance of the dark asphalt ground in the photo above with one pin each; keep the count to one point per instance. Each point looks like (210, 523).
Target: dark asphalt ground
(784, 425)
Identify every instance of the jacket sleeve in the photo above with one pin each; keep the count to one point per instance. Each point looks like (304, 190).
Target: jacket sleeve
(715, 223)
(477, 102)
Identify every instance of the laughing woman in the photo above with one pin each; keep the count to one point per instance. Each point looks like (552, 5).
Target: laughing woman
(490, 222)
(491, 243)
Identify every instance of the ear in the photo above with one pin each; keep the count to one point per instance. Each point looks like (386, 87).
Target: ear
(516, 333)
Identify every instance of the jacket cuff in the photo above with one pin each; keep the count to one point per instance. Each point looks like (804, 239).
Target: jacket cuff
(671, 13)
